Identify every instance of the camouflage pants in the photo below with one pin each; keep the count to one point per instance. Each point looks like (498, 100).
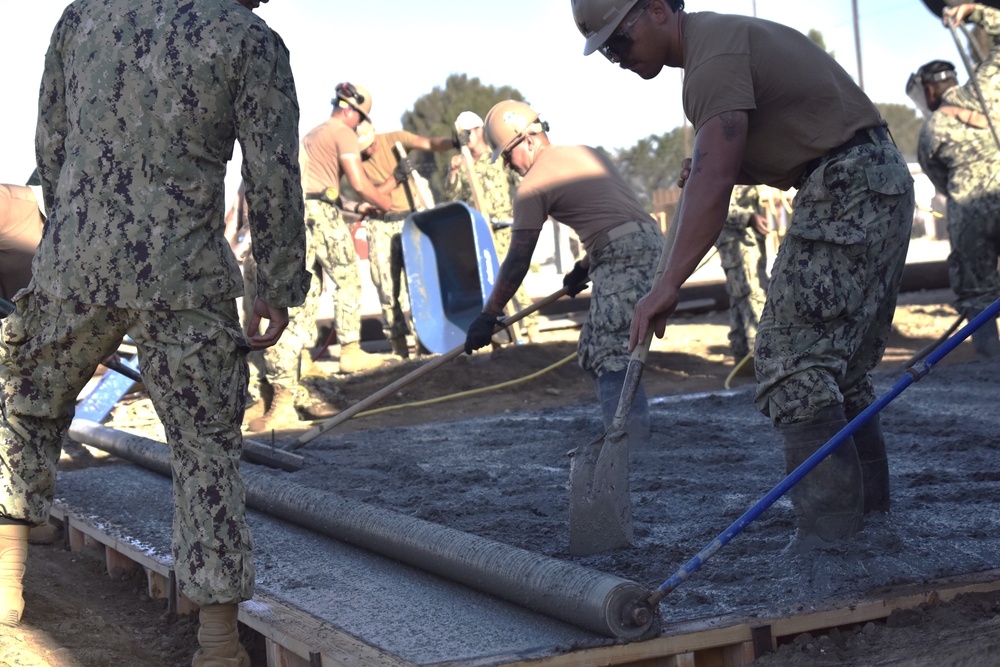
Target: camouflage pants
(974, 233)
(620, 273)
(832, 293)
(520, 300)
(193, 363)
(743, 259)
(385, 261)
(280, 363)
(334, 248)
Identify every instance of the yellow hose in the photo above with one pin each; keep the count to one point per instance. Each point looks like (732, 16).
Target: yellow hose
(461, 394)
(737, 368)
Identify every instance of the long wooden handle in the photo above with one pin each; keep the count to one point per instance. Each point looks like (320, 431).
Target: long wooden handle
(392, 388)
(637, 362)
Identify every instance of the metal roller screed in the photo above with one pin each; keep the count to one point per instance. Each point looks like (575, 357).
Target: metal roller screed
(596, 601)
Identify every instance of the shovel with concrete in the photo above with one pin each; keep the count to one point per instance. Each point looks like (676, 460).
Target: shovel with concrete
(600, 509)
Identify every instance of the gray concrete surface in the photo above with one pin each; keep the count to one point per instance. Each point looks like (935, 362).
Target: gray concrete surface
(712, 458)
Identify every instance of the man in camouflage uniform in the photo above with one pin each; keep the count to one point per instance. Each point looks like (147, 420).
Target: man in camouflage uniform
(133, 182)
(581, 188)
(743, 258)
(770, 107)
(959, 153)
(385, 243)
(328, 151)
(496, 184)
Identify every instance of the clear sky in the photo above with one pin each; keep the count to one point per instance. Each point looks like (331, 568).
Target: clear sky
(401, 49)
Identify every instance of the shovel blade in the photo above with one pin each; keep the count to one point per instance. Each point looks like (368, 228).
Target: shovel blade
(600, 508)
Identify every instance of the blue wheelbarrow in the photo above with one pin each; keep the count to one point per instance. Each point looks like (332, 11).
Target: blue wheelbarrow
(451, 267)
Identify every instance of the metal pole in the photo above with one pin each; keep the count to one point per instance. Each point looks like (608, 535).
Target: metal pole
(857, 43)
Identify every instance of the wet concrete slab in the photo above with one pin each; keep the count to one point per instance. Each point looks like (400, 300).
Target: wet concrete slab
(712, 457)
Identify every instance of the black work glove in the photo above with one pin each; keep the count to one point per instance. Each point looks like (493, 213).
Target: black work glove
(576, 279)
(402, 170)
(481, 332)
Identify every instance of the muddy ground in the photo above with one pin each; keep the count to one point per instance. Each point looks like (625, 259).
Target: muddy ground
(712, 457)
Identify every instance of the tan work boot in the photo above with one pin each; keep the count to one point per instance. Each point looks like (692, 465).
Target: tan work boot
(219, 638)
(13, 553)
(281, 414)
(399, 347)
(253, 412)
(355, 360)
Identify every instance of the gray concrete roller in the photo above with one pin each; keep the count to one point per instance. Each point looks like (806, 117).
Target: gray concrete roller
(599, 602)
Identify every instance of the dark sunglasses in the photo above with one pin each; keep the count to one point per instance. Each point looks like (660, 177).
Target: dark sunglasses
(505, 154)
(617, 46)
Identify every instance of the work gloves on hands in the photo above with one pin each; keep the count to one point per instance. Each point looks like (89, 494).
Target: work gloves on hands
(576, 279)
(481, 332)
(402, 170)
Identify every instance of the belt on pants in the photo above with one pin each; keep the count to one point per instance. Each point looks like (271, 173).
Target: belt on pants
(615, 233)
(324, 197)
(867, 135)
(395, 217)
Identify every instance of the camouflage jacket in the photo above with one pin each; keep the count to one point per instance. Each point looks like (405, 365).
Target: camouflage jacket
(497, 182)
(744, 202)
(139, 109)
(960, 159)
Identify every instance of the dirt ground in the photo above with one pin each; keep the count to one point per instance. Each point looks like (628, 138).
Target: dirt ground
(76, 615)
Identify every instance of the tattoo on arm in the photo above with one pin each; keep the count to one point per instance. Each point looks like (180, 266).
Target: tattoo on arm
(513, 270)
(730, 124)
(696, 159)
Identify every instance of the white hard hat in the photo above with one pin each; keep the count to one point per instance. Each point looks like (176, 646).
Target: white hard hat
(468, 120)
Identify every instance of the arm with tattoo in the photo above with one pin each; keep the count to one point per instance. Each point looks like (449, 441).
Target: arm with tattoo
(513, 270)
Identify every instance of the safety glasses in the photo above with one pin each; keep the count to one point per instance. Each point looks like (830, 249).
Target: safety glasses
(618, 45)
(505, 154)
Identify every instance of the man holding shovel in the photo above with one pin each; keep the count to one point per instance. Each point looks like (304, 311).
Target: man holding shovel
(959, 153)
(579, 187)
(770, 107)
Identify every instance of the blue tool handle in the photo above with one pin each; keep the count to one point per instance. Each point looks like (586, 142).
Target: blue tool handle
(914, 373)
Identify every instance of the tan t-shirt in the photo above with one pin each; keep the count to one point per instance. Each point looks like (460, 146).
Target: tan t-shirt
(383, 161)
(580, 188)
(321, 151)
(801, 103)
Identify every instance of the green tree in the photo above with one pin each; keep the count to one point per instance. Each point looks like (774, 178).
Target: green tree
(653, 163)
(434, 114)
(816, 37)
(904, 124)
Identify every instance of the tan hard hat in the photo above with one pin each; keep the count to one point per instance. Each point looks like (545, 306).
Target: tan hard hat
(597, 19)
(355, 95)
(366, 134)
(509, 121)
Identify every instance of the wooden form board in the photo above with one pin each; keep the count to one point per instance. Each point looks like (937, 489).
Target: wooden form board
(297, 639)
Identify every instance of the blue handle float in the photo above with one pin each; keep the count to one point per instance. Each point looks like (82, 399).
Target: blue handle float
(913, 374)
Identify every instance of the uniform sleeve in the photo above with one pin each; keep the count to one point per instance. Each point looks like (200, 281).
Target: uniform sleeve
(741, 208)
(267, 120)
(531, 208)
(705, 98)
(988, 72)
(457, 190)
(927, 155)
(51, 128)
